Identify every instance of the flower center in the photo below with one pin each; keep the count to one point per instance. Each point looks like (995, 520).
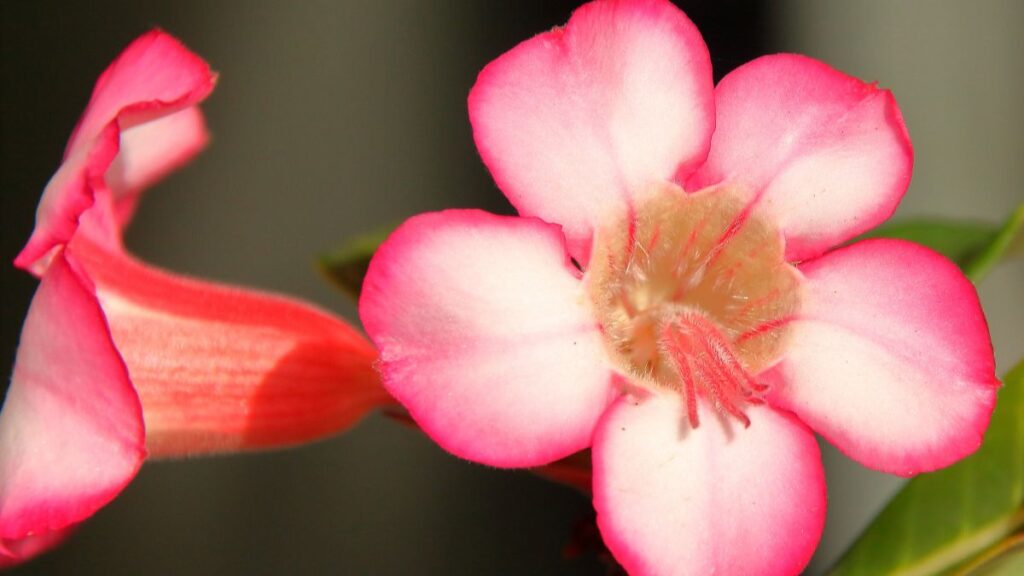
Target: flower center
(694, 295)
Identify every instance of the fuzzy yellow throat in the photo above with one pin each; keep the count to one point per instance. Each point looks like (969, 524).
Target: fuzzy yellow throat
(694, 295)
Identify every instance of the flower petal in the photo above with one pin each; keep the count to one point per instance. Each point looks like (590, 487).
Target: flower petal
(149, 152)
(14, 552)
(576, 121)
(218, 368)
(891, 359)
(828, 155)
(70, 192)
(155, 76)
(718, 499)
(71, 432)
(485, 336)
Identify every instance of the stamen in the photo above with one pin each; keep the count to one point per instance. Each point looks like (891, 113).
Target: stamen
(722, 391)
(703, 357)
(694, 296)
(724, 353)
(690, 391)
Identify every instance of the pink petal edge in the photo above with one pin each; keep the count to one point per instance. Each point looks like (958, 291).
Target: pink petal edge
(576, 122)
(154, 76)
(719, 499)
(485, 336)
(828, 156)
(71, 429)
(891, 359)
(18, 551)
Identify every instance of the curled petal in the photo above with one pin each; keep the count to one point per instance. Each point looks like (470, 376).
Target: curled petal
(575, 122)
(718, 499)
(828, 156)
(149, 152)
(154, 77)
(218, 368)
(486, 338)
(891, 359)
(69, 193)
(71, 430)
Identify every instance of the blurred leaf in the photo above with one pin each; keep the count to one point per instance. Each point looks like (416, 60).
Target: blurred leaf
(958, 241)
(1003, 559)
(973, 246)
(944, 519)
(346, 267)
(1008, 241)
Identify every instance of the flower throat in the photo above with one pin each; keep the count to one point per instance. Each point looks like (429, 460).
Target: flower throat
(694, 296)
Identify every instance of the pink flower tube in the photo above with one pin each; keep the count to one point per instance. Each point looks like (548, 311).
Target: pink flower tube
(675, 295)
(117, 359)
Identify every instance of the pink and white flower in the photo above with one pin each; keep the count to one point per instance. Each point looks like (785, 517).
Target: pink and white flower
(119, 360)
(675, 294)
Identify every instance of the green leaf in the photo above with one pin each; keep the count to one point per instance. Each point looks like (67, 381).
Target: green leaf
(346, 267)
(1004, 559)
(1008, 241)
(944, 519)
(958, 241)
(975, 247)
(1010, 564)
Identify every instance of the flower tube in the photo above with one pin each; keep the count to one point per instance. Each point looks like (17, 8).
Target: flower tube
(119, 360)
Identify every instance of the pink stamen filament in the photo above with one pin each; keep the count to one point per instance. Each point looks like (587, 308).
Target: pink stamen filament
(704, 359)
(690, 391)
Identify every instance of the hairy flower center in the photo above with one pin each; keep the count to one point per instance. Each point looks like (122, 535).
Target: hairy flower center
(694, 295)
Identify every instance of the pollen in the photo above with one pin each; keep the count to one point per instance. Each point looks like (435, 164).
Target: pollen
(694, 295)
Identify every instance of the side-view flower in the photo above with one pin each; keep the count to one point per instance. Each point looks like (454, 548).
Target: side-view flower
(117, 359)
(676, 294)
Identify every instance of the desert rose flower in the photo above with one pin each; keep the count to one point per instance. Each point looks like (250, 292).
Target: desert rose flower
(675, 294)
(117, 359)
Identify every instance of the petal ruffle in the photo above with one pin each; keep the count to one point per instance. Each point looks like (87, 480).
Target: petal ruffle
(219, 368)
(71, 430)
(575, 122)
(890, 359)
(828, 155)
(485, 336)
(154, 77)
(718, 499)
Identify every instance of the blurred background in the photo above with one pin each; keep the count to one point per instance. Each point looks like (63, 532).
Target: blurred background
(334, 118)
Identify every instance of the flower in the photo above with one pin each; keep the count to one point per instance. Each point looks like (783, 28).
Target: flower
(675, 294)
(117, 359)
